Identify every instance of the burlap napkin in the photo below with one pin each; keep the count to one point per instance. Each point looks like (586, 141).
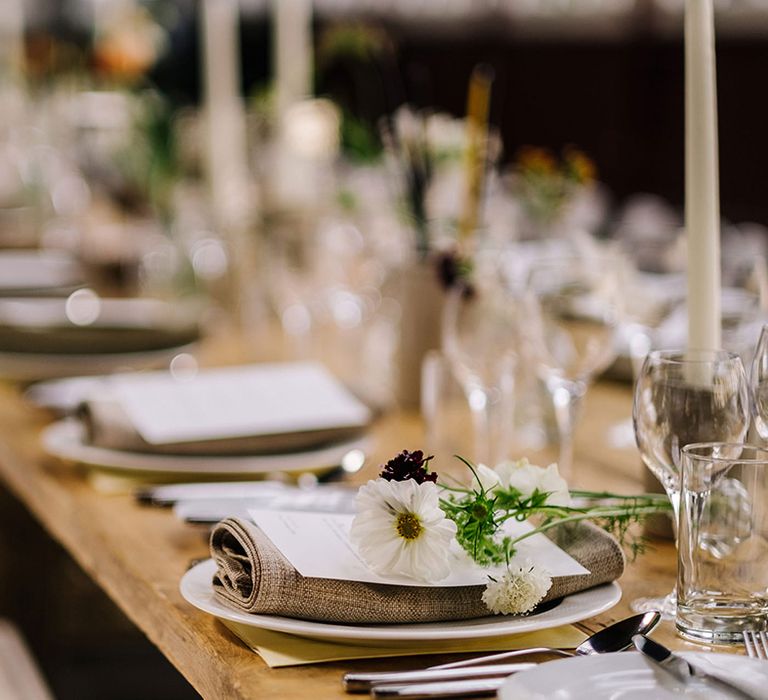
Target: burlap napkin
(255, 577)
(108, 425)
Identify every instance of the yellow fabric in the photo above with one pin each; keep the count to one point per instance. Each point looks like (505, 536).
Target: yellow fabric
(279, 649)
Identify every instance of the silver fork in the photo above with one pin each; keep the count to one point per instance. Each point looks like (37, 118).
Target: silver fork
(756, 644)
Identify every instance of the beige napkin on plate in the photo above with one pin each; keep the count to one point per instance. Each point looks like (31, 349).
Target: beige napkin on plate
(279, 649)
(255, 577)
(108, 425)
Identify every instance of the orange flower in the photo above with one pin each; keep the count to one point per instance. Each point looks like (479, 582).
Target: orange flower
(129, 45)
(579, 165)
(536, 160)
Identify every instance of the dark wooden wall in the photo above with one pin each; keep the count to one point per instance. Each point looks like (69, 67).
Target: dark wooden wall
(620, 100)
(622, 103)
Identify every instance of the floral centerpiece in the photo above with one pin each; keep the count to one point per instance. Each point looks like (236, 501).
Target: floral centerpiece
(426, 153)
(408, 524)
(546, 185)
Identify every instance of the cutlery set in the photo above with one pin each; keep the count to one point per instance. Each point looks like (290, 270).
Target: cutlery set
(473, 678)
(482, 677)
(684, 671)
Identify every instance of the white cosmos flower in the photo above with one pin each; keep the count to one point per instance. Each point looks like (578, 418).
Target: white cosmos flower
(526, 478)
(518, 591)
(485, 477)
(400, 529)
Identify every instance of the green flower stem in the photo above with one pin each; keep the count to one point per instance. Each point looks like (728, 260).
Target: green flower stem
(587, 515)
(455, 489)
(660, 498)
(480, 513)
(641, 506)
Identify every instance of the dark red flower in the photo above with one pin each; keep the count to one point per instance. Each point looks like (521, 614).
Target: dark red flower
(453, 270)
(408, 465)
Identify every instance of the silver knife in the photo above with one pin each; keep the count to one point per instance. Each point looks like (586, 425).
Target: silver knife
(683, 671)
(447, 689)
(363, 682)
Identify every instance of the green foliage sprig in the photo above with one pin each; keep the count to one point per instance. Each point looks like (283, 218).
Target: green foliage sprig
(480, 513)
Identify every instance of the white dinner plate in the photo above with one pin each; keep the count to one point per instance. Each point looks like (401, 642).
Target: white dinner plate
(197, 589)
(631, 676)
(30, 366)
(86, 324)
(25, 272)
(65, 439)
(63, 396)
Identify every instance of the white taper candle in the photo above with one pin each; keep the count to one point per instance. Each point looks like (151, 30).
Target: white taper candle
(702, 194)
(11, 39)
(226, 149)
(292, 53)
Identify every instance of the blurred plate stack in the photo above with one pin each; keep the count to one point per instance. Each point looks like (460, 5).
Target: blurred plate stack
(37, 273)
(247, 421)
(46, 337)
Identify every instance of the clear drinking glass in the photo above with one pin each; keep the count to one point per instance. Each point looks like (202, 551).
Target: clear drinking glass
(684, 397)
(573, 327)
(722, 584)
(444, 409)
(481, 335)
(759, 384)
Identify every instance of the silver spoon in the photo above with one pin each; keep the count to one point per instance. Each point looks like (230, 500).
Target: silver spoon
(615, 637)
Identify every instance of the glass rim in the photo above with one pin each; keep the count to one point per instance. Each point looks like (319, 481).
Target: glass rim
(690, 452)
(677, 356)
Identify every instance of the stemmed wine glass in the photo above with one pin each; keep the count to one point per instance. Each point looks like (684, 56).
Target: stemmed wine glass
(574, 313)
(481, 331)
(683, 397)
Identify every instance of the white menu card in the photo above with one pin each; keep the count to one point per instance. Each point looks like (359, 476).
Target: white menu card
(264, 399)
(318, 545)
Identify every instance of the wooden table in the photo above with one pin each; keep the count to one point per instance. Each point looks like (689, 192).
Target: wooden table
(138, 554)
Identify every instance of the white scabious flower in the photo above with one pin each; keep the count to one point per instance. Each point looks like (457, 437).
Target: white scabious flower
(400, 529)
(518, 591)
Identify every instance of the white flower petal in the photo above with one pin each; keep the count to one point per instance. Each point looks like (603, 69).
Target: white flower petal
(527, 478)
(518, 591)
(388, 556)
(485, 477)
(374, 529)
(427, 559)
(553, 483)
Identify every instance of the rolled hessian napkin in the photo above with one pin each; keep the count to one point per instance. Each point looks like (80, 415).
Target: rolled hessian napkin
(254, 577)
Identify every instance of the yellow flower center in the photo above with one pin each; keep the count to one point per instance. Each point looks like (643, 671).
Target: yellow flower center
(408, 526)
